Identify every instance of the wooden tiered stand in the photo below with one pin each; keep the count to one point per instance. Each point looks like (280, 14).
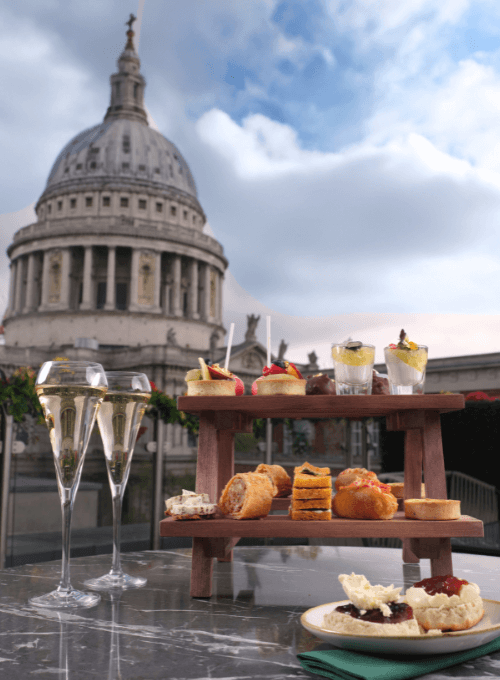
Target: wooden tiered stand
(417, 415)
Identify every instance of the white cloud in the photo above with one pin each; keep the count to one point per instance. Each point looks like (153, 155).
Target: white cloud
(50, 98)
(444, 334)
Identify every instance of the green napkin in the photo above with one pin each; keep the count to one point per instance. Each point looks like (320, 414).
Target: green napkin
(347, 665)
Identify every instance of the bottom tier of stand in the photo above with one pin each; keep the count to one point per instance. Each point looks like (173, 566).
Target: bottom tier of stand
(284, 527)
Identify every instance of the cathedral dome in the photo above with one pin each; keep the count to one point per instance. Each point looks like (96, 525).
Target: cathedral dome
(120, 151)
(118, 256)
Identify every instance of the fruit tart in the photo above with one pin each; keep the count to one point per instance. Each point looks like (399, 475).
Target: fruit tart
(211, 380)
(282, 377)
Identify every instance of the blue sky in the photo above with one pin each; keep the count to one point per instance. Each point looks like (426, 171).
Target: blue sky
(346, 152)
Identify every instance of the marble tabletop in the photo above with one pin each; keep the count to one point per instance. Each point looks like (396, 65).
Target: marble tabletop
(249, 628)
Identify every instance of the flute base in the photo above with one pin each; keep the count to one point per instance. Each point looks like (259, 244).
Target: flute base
(63, 598)
(115, 582)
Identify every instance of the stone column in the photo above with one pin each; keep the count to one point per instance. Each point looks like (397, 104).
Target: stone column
(157, 282)
(206, 310)
(19, 286)
(45, 280)
(166, 297)
(65, 278)
(177, 311)
(193, 292)
(87, 279)
(29, 303)
(134, 282)
(219, 297)
(110, 279)
(12, 287)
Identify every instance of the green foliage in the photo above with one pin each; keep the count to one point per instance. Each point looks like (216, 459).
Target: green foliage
(175, 483)
(18, 396)
(163, 407)
(244, 442)
(259, 425)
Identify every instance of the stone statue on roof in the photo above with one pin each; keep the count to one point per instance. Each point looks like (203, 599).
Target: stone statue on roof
(313, 361)
(252, 322)
(282, 349)
(130, 22)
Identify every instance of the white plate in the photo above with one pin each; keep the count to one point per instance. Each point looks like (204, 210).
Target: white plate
(487, 629)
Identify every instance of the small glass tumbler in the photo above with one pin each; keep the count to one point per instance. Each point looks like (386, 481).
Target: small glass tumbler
(353, 367)
(406, 369)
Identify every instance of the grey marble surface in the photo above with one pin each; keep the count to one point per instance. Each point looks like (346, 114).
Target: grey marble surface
(249, 628)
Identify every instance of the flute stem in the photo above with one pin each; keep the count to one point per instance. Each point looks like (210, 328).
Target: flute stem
(66, 507)
(116, 567)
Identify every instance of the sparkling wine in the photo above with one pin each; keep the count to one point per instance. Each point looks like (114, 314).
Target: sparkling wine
(70, 412)
(119, 419)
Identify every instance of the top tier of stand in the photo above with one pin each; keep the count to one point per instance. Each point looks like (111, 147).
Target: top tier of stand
(323, 406)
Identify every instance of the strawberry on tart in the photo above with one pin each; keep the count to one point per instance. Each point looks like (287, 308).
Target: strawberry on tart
(282, 377)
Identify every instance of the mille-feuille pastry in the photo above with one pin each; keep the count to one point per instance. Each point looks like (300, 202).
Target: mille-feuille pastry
(445, 603)
(364, 500)
(279, 478)
(247, 495)
(351, 475)
(308, 476)
(432, 508)
(312, 503)
(311, 493)
(307, 493)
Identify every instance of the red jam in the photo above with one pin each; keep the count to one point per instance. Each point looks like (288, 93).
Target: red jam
(399, 612)
(449, 585)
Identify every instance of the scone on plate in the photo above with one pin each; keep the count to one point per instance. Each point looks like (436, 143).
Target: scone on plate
(372, 610)
(445, 603)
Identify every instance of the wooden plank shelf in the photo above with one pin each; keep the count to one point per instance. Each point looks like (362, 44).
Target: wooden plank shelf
(284, 527)
(322, 406)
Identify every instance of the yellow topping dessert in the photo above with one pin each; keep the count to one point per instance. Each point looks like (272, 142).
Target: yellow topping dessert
(363, 356)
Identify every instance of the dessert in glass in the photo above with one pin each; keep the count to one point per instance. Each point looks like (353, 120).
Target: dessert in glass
(70, 393)
(406, 363)
(353, 367)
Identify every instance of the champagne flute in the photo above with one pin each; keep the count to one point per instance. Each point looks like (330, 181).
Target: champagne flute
(70, 393)
(119, 419)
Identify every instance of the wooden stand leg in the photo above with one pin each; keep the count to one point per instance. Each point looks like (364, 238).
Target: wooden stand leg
(206, 482)
(438, 550)
(433, 460)
(225, 441)
(408, 555)
(413, 480)
(201, 570)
